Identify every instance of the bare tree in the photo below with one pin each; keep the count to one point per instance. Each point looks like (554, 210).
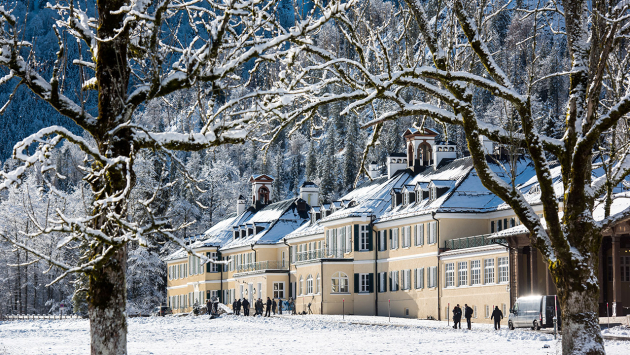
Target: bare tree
(137, 51)
(432, 59)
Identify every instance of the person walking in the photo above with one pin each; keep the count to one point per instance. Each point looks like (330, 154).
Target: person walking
(234, 308)
(268, 309)
(238, 307)
(457, 317)
(497, 315)
(259, 307)
(209, 307)
(273, 306)
(245, 304)
(468, 313)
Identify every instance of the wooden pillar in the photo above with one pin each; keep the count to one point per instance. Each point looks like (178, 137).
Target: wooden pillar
(533, 265)
(616, 259)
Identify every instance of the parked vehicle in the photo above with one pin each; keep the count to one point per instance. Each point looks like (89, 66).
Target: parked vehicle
(534, 312)
(161, 311)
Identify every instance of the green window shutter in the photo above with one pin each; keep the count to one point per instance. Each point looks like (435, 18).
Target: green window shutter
(371, 282)
(356, 283)
(220, 266)
(356, 237)
(220, 297)
(370, 242)
(415, 278)
(390, 280)
(390, 239)
(208, 264)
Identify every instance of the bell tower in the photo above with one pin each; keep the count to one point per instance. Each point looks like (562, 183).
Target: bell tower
(420, 146)
(261, 189)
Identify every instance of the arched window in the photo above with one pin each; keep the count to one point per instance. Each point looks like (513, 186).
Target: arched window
(309, 284)
(301, 286)
(339, 282)
(318, 284)
(410, 153)
(263, 195)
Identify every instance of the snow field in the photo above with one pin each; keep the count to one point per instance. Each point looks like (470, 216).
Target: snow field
(282, 335)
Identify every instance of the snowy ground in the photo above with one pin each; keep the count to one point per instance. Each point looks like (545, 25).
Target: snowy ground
(283, 335)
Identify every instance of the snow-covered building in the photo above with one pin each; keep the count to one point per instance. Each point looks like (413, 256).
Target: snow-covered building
(414, 243)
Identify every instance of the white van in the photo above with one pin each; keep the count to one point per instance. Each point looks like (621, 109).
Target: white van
(534, 312)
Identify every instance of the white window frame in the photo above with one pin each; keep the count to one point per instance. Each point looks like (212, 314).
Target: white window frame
(475, 272)
(393, 275)
(348, 239)
(419, 235)
(449, 275)
(382, 240)
(406, 279)
(407, 237)
(309, 284)
(432, 239)
(278, 289)
(462, 273)
(504, 269)
(364, 283)
(394, 243)
(382, 285)
(488, 271)
(363, 238)
(342, 283)
(419, 276)
(301, 286)
(432, 277)
(318, 284)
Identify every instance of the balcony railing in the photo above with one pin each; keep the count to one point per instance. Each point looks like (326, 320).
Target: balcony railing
(318, 254)
(263, 265)
(471, 242)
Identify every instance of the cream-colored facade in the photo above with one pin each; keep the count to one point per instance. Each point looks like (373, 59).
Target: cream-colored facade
(411, 244)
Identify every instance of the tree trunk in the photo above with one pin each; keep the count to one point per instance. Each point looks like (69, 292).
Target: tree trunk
(107, 302)
(581, 333)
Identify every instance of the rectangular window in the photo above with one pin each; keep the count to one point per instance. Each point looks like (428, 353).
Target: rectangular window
(432, 233)
(491, 226)
(407, 237)
(348, 239)
(382, 282)
(625, 268)
(487, 311)
(364, 283)
(488, 272)
(419, 234)
(419, 278)
(462, 273)
(504, 268)
(475, 272)
(475, 312)
(278, 290)
(382, 240)
(432, 277)
(500, 225)
(213, 267)
(363, 240)
(407, 279)
(450, 275)
(393, 281)
(394, 237)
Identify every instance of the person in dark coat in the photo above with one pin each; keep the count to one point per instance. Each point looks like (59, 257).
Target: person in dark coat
(273, 306)
(209, 307)
(268, 309)
(457, 317)
(259, 307)
(497, 315)
(234, 307)
(245, 304)
(238, 307)
(468, 313)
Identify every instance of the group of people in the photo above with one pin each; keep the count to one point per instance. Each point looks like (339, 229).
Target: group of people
(497, 315)
(259, 307)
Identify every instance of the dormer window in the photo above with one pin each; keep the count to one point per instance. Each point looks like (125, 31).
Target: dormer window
(243, 233)
(235, 234)
(250, 231)
(263, 195)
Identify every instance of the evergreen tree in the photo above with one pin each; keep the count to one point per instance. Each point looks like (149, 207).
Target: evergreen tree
(311, 162)
(329, 166)
(351, 166)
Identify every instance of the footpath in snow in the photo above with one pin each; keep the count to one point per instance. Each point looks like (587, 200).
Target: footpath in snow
(314, 334)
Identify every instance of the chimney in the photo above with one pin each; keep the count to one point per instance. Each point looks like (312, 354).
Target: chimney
(374, 171)
(396, 162)
(488, 145)
(241, 205)
(444, 150)
(309, 192)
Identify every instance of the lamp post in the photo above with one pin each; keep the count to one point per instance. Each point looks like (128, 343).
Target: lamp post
(343, 308)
